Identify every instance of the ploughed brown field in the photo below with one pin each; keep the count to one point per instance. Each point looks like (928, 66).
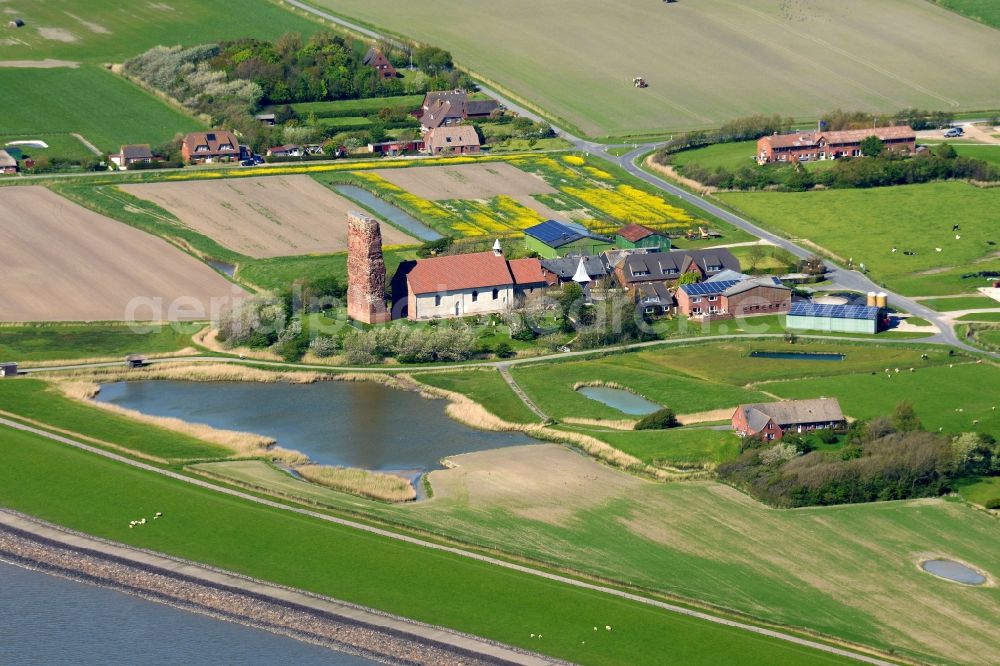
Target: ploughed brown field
(63, 262)
(269, 216)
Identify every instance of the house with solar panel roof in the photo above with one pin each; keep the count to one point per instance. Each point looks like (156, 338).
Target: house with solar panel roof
(742, 297)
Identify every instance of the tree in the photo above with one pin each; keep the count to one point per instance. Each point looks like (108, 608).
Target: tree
(754, 256)
(904, 419)
(872, 146)
(658, 420)
(690, 277)
(431, 60)
(945, 151)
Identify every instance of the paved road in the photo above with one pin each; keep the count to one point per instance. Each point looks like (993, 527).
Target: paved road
(451, 549)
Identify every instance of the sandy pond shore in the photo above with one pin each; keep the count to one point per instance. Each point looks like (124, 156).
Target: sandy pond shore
(228, 596)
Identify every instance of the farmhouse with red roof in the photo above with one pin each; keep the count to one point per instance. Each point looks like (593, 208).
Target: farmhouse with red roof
(811, 146)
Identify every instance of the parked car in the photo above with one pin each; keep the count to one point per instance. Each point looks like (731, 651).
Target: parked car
(257, 159)
(954, 131)
(249, 162)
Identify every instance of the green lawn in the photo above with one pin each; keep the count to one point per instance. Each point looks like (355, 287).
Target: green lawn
(736, 45)
(982, 316)
(964, 303)
(981, 490)
(990, 153)
(772, 261)
(345, 122)
(866, 224)
(984, 11)
(111, 112)
(46, 342)
(60, 145)
(728, 155)
(359, 107)
(677, 446)
(263, 477)
(99, 497)
(937, 393)
(35, 399)
(100, 31)
(487, 388)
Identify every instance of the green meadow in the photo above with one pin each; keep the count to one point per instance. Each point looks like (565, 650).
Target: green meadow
(106, 109)
(677, 446)
(963, 303)
(102, 31)
(97, 496)
(487, 388)
(47, 342)
(865, 224)
(984, 11)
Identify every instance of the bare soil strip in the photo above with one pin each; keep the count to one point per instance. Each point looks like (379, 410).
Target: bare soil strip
(66, 263)
(229, 596)
(274, 216)
(48, 63)
(466, 181)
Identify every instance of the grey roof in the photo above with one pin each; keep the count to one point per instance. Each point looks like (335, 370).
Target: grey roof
(794, 412)
(6, 160)
(480, 107)
(727, 275)
(656, 266)
(654, 293)
(747, 285)
(565, 267)
(137, 151)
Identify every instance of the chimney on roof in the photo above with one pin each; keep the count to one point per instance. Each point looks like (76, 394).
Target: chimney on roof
(497, 250)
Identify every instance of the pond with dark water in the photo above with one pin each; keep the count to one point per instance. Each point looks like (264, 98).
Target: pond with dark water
(388, 212)
(953, 570)
(623, 401)
(797, 356)
(54, 621)
(354, 424)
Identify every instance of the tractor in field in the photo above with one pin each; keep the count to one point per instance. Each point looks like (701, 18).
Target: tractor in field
(639, 82)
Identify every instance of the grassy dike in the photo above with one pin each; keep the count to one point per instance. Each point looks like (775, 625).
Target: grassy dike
(98, 496)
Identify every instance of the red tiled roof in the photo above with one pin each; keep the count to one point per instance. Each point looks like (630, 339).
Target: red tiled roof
(458, 272)
(635, 232)
(526, 271)
(810, 139)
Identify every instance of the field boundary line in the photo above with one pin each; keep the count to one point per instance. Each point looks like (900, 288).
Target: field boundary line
(565, 580)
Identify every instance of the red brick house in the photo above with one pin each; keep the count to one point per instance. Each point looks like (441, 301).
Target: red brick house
(667, 267)
(452, 140)
(811, 146)
(212, 146)
(375, 58)
(137, 153)
(771, 420)
(734, 298)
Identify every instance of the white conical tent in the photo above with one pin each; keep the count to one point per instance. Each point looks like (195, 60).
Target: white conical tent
(581, 274)
(497, 250)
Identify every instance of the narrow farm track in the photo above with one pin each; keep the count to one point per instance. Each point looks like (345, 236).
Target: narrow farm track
(516, 388)
(701, 615)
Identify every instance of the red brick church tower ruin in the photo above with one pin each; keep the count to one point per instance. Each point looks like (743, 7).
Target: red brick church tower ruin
(365, 270)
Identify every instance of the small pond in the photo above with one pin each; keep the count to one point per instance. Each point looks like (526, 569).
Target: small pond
(953, 570)
(623, 401)
(797, 356)
(355, 424)
(222, 267)
(388, 212)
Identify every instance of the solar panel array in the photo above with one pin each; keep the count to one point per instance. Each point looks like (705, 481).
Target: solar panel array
(833, 311)
(551, 233)
(707, 288)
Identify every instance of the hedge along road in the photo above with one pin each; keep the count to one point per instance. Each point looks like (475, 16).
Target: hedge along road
(715, 638)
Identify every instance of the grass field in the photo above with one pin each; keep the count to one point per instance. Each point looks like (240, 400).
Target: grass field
(962, 387)
(990, 153)
(963, 303)
(728, 155)
(46, 342)
(66, 146)
(487, 388)
(358, 107)
(98, 496)
(678, 446)
(852, 46)
(984, 11)
(982, 316)
(866, 224)
(981, 490)
(101, 32)
(112, 112)
(37, 400)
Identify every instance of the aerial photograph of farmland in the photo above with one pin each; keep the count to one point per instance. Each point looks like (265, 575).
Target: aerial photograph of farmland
(493, 332)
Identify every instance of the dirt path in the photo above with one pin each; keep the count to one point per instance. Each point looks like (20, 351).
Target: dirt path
(48, 63)
(512, 383)
(87, 144)
(565, 580)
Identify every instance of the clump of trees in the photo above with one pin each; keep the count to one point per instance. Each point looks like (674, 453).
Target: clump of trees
(918, 119)
(409, 345)
(887, 458)
(658, 420)
(739, 129)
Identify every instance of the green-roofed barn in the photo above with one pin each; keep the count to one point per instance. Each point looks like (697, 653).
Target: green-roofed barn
(552, 239)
